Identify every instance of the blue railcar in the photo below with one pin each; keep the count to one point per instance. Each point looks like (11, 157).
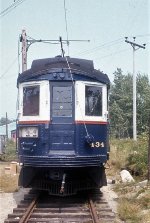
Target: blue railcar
(63, 125)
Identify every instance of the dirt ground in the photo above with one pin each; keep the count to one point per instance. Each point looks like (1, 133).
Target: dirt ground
(8, 201)
(10, 194)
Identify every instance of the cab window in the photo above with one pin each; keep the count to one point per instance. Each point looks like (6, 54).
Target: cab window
(62, 101)
(31, 100)
(93, 101)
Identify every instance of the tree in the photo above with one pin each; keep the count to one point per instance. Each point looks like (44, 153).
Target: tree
(121, 104)
(3, 121)
(143, 102)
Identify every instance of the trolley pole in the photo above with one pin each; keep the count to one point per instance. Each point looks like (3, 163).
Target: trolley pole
(26, 43)
(23, 39)
(135, 47)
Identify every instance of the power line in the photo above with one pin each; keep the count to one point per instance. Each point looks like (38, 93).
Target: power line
(116, 52)
(11, 7)
(14, 61)
(142, 35)
(133, 17)
(111, 43)
(108, 44)
(8, 8)
(10, 66)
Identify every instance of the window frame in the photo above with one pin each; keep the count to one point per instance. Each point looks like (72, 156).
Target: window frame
(80, 102)
(44, 101)
(100, 108)
(38, 104)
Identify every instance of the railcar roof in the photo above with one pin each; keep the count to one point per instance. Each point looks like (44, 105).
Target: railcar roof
(59, 64)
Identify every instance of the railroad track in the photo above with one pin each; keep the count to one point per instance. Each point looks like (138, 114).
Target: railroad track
(42, 208)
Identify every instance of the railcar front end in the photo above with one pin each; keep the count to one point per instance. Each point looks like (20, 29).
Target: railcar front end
(63, 126)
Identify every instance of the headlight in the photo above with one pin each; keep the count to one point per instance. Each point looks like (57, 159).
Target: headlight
(31, 132)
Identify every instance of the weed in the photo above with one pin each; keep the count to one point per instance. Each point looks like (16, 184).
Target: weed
(10, 152)
(128, 211)
(8, 183)
(144, 200)
(130, 155)
(134, 201)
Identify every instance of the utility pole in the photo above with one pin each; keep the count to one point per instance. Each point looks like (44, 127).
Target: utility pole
(6, 127)
(23, 39)
(135, 47)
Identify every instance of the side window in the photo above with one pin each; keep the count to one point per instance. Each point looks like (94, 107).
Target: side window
(31, 96)
(93, 101)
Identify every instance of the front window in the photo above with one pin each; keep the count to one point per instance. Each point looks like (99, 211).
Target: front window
(31, 100)
(93, 101)
(62, 101)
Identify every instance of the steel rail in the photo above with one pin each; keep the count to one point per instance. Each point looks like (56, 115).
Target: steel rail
(93, 211)
(29, 210)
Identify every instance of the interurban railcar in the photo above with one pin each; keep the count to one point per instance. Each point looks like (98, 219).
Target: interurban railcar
(63, 125)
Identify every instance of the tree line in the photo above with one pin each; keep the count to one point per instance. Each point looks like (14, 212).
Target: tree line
(121, 104)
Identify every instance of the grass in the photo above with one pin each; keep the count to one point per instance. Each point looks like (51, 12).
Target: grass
(134, 200)
(10, 152)
(8, 181)
(131, 155)
(128, 211)
(132, 207)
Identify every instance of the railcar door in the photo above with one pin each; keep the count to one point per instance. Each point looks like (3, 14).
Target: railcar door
(62, 118)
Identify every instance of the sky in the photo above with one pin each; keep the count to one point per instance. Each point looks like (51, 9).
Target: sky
(105, 23)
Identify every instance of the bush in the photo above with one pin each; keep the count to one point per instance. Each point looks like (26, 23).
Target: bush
(10, 151)
(137, 161)
(129, 154)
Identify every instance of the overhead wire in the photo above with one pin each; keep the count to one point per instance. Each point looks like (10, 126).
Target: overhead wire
(112, 54)
(9, 67)
(70, 68)
(108, 44)
(148, 34)
(131, 18)
(13, 62)
(66, 24)
(11, 7)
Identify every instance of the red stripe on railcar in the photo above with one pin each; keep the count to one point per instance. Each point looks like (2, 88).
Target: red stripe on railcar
(91, 122)
(34, 122)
